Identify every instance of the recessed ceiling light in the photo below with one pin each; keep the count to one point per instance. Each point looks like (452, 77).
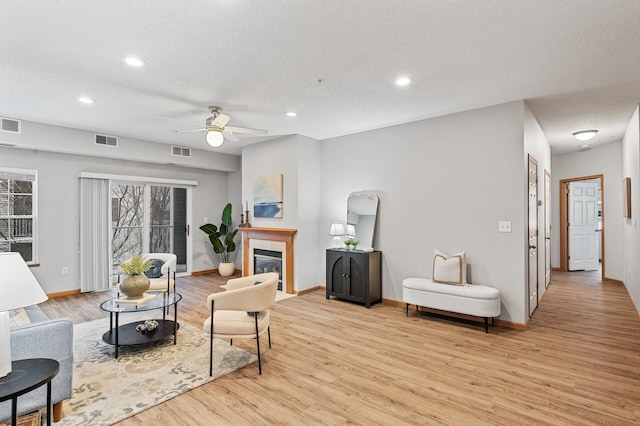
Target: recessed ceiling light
(134, 62)
(403, 81)
(291, 114)
(86, 100)
(585, 135)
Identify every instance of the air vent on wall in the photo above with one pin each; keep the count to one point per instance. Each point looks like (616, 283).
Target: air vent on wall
(180, 151)
(106, 140)
(9, 125)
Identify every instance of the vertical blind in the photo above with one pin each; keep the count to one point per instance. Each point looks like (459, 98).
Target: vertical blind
(94, 234)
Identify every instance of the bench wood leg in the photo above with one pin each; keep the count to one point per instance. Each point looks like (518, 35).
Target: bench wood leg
(57, 411)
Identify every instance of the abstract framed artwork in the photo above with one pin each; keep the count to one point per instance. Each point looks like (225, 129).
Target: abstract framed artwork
(626, 197)
(267, 196)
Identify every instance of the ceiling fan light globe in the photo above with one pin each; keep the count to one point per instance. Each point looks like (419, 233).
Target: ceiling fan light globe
(215, 138)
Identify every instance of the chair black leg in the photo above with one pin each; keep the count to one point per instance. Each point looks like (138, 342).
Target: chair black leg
(168, 289)
(231, 342)
(486, 325)
(406, 310)
(258, 344)
(269, 333)
(211, 343)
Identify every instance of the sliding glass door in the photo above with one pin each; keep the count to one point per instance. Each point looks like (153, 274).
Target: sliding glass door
(148, 218)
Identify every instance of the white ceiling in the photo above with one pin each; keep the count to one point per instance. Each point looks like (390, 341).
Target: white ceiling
(576, 62)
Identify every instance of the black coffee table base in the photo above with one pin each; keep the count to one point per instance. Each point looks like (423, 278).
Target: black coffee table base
(127, 334)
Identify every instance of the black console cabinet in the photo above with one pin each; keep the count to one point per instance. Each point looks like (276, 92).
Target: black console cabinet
(354, 275)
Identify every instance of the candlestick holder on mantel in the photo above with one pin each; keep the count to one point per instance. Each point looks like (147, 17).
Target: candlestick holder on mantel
(244, 223)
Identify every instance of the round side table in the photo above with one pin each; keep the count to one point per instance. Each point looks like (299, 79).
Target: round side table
(27, 375)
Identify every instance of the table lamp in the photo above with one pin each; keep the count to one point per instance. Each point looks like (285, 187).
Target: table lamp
(18, 288)
(351, 230)
(337, 230)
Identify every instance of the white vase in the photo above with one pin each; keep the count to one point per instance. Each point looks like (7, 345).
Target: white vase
(226, 269)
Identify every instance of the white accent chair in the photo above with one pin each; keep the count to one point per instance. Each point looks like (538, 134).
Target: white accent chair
(168, 279)
(231, 311)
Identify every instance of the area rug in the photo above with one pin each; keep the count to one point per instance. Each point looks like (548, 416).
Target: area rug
(107, 390)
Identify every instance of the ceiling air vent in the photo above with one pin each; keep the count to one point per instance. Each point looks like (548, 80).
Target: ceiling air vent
(9, 125)
(106, 140)
(180, 151)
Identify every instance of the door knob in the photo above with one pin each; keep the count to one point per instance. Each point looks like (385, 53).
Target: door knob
(532, 247)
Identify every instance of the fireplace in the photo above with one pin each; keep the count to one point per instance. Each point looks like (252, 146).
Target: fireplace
(268, 261)
(269, 250)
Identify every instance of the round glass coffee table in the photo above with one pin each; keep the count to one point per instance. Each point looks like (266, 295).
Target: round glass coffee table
(127, 334)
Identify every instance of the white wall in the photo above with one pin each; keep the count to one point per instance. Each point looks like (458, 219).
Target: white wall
(65, 140)
(631, 168)
(296, 158)
(537, 145)
(605, 160)
(234, 191)
(59, 207)
(443, 183)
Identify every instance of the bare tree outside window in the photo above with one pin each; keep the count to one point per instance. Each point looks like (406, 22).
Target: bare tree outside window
(161, 226)
(127, 215)
(128, 225)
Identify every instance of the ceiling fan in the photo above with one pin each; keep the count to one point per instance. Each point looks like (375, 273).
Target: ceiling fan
(217, 129)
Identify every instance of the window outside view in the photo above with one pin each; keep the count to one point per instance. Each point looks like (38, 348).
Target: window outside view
(16, 217)
(128, 221)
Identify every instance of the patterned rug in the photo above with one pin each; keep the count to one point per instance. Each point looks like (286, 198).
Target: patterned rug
(107, 390)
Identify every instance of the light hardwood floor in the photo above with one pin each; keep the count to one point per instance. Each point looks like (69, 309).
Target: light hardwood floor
(333, 362)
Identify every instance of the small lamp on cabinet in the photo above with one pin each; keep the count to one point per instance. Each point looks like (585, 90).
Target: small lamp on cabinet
(337, 231)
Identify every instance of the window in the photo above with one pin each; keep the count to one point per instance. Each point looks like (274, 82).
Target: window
(18, 218)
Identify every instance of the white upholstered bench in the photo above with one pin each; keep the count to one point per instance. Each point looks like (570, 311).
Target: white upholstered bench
(468, 299)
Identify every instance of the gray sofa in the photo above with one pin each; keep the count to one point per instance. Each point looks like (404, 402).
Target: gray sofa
(43, 338)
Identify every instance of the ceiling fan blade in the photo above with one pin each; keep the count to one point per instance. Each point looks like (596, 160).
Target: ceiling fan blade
(191, 131)
(229, 135)
(246, 130)
(221, 120)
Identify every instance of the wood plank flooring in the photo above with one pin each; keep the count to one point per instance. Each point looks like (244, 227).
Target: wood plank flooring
(334, 363)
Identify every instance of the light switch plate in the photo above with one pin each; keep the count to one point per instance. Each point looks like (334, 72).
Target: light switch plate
(504, 226)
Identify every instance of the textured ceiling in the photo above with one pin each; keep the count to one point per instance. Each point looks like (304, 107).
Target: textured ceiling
(576, 62)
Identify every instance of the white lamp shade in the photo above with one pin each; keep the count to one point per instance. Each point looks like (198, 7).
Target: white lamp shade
(351, 230)
(215, 138)
(18, 286)
(336, 229)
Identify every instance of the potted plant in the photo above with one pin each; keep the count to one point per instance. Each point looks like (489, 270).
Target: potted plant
(222, 239)
(351, 243)
(137, 282)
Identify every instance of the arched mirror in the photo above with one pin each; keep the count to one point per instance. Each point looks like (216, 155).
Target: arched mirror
(362, 208)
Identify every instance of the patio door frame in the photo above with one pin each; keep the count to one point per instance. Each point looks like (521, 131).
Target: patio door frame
(146, 221)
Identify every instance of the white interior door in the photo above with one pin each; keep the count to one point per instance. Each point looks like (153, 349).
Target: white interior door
(583, 223)
(533, 235)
